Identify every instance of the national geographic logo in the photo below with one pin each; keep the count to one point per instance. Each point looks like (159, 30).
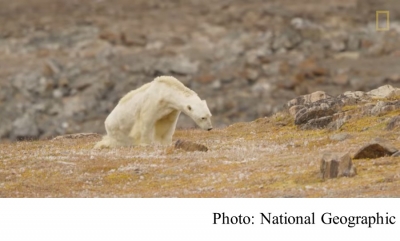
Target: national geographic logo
(382, 21)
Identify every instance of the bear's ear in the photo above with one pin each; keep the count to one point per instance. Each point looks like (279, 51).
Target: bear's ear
(189, 107)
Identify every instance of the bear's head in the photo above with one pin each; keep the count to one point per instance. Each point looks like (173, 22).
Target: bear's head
(199, 112)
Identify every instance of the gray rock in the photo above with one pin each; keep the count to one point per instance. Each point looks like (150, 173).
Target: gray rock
(184, 66)
(177, 65)
(396, 154)
(294, 109)
(354, 94)
(25, 127)
(385, 91)
(338, 45)
(308, 99)
(317, 123)
(51, 67)
(314, 111)
(339, 137)
(288, 39)
(28, 83)
(383, 107)
(334, 165)
(375, 150)
(337, 122)
(394, 123)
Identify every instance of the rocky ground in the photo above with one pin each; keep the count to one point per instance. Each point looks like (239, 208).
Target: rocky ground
(64, 64)
(318, 146)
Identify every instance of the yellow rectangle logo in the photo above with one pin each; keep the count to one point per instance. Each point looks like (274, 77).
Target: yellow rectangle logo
(379, 27)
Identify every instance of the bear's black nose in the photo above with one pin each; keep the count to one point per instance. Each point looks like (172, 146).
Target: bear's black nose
(209, 129)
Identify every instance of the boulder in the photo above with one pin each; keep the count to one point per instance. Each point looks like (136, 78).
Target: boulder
(308, 99)
(375, 149)
(334, 165)
(385, 91)
(323, 108)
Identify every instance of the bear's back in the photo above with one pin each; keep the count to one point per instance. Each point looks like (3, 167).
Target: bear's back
(132, 93)
(172, 82)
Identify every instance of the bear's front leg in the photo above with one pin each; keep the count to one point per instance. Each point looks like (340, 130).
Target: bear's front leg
(165, 128)
(146, 135)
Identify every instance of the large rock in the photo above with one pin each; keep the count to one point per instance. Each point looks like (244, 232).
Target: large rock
(383, 107)
(386, 91)
(334, 165)
(308, 99)
(375, 149)
(318, 114)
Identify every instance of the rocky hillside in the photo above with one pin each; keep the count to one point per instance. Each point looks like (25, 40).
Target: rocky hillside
(64, 64)
(322, 146)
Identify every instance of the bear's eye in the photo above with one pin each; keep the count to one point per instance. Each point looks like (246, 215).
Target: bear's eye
(203, 118)
(189, 107)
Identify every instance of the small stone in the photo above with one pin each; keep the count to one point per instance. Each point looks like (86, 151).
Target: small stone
(375, 150)
(190, 146)
(57, 93)
(338, 45)
(129, 38)
(341, 79)
(394, 123)
(334, 165)
(252, 74)
(396, 154)
(339, 137)
(51, 68)
(216, 85)
(184, 66)
(347, 55)
(205, 78)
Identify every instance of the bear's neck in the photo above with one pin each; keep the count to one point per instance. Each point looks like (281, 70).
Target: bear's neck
(177, 101)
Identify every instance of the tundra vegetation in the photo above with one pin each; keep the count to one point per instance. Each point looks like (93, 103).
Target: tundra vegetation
(268, 157)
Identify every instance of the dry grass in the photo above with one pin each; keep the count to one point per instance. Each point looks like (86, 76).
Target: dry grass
(264, 158)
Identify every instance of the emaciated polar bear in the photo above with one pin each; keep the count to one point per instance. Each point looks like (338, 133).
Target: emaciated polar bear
(149, 114)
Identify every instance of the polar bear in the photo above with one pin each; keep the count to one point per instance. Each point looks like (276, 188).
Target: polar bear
(149, 114)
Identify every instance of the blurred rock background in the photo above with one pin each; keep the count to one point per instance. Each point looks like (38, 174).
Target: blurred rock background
(64, 64)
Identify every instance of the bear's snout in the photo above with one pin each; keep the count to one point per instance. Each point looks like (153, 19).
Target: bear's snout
(209, 129)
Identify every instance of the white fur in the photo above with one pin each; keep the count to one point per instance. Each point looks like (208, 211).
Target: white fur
(149, 114)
